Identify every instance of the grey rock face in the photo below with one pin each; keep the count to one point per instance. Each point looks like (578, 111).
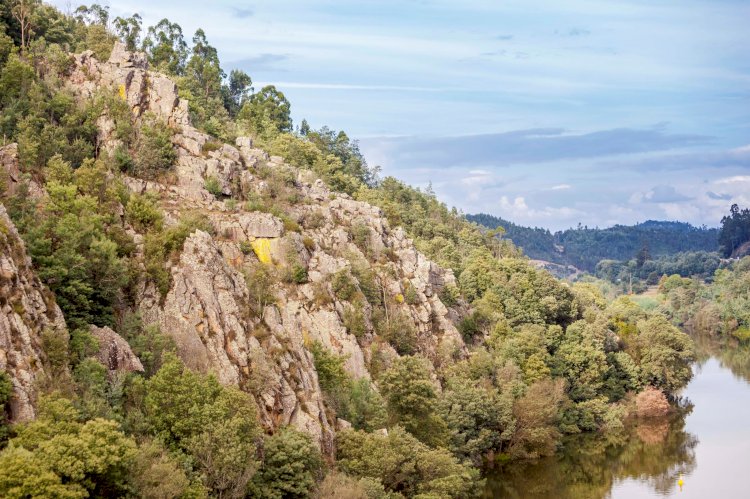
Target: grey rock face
(210, 310)
(27, 308)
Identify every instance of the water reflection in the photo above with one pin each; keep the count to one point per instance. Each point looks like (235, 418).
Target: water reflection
(588, 465)
(729, 352)
(647, 460)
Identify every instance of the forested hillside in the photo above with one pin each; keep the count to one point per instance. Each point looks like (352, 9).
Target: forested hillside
(201, 300)
(584, 247)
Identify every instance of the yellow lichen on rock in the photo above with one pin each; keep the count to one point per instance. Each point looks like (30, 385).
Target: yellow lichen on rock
(121, 91)
(262, 248)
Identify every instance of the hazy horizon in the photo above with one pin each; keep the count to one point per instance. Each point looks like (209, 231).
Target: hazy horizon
(541, 113)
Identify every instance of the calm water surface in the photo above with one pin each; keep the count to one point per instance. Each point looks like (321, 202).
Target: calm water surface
(709, 446)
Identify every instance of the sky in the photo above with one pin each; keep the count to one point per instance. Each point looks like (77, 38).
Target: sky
(548, 113)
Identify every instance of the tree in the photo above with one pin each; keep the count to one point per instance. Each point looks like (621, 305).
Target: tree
(735, 230)
(23, 475)
(665, 354)
(202, 80)
(405, 465)
(237, 91)
(643, 256)
(480, 420)
(166, 48)
(267, 112)
(93, 15)
(411, 399)
(22, 11)
(129, 30)
(156, 475)
(537, 414)
(91, 458)
(291, 466)
(215, 425)
(6, 392)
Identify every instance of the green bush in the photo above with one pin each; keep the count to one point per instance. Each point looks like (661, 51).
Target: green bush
(398, 330)
(245, 247)
(344, 287)
(404, 465)
(143, 212)
(354, 320)
(360, 234)
(213, 186)
(154, 153)
(167, 243)
(291, 467)
(6, 392)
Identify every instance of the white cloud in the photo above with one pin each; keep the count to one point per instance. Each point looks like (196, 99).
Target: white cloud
(737, 179)
(560, 187)
(518, 209)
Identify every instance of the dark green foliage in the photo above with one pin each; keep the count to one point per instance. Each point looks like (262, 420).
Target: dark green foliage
(352, 400)
(215, 425)
(129, 30)
(153, 153)
(212, 186)
(291, 466)
(398, 329)
(687, 264)
(360, 234)
(237, 91)
(148, 343)
(338, 144)
(57, 456)
(735, 230)
(343, 285)
(412, 399)
(585, 247)
(82, 345)
(405, 465)
(44, 119)
(480, 419)
(6, 391)
(267, 112)
(525, 294)
(70, 240)
(143, 212)
(330, 368)
(166, 48)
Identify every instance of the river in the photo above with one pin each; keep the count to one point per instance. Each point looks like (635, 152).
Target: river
(707, 445)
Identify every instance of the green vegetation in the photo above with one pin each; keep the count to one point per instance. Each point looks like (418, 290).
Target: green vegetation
(719, 309)
(542, 359)
(636, 274)
(735, 232)
(585, 247)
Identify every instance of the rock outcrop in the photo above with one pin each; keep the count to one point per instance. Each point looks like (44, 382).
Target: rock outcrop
(211, 309)
(12, 180)
(114, 352)
(27, 309)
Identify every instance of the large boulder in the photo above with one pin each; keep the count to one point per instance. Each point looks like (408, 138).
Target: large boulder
(115, 353)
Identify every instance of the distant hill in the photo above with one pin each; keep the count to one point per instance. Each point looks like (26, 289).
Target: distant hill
(584, 247)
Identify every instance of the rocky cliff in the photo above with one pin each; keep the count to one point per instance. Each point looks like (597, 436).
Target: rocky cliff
(27, 309)
(213, 308)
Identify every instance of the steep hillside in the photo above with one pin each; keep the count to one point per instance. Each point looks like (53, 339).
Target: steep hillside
(243, 303)
(584, 247)
(210, 309)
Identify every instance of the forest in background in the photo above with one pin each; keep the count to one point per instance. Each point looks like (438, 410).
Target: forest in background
(585, 247)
